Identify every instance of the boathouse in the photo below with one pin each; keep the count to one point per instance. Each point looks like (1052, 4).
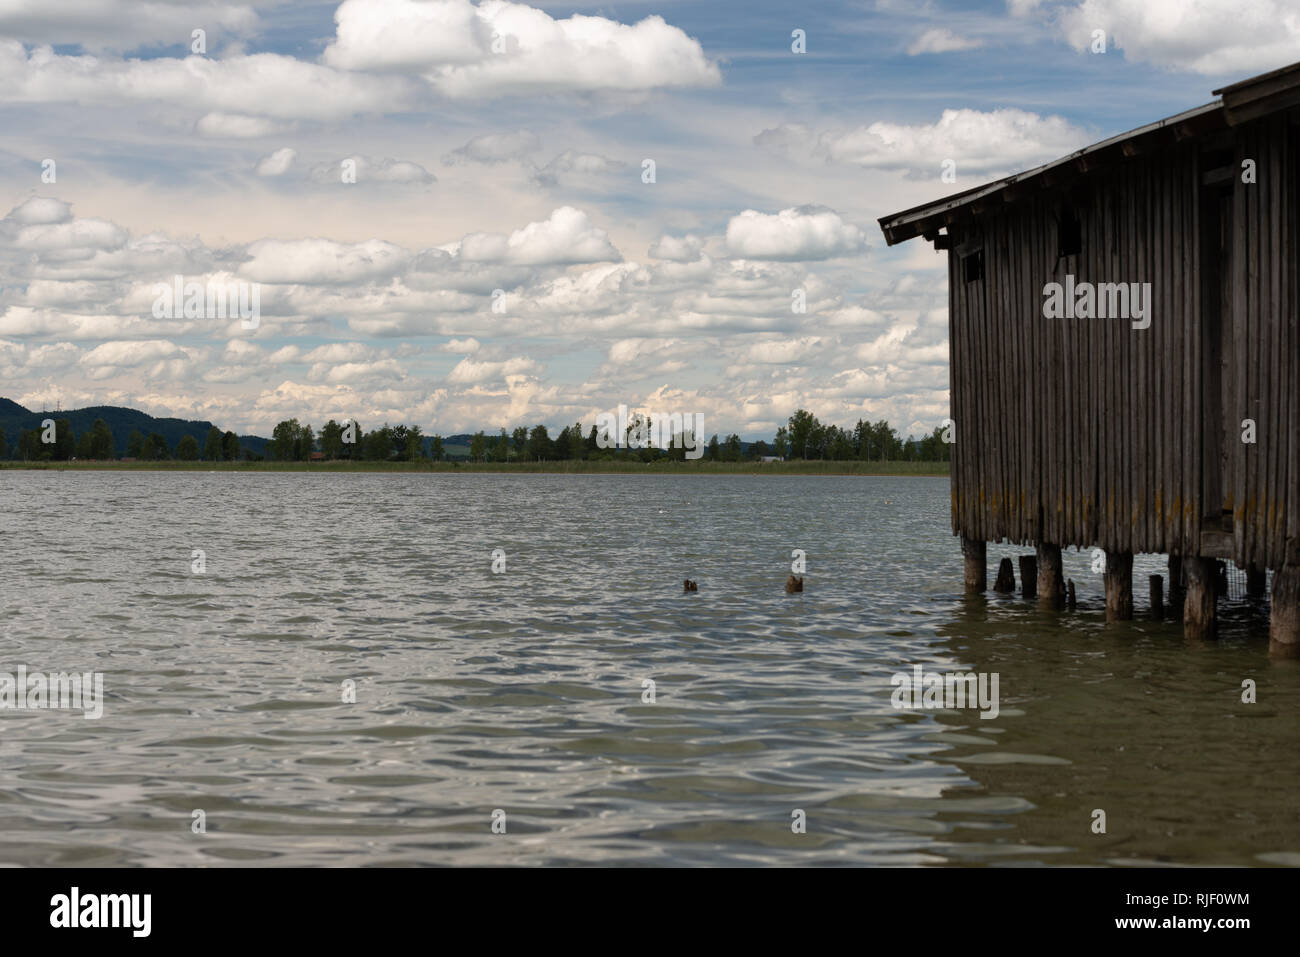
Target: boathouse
(1125, 354)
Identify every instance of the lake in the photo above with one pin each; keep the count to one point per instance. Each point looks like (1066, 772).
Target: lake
(520, 699)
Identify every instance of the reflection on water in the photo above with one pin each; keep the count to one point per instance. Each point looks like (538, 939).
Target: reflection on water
(523, 691)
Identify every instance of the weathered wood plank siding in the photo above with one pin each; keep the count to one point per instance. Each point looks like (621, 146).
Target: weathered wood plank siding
(1088, 432)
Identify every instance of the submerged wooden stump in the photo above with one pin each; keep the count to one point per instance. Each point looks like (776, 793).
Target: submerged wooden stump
(1071, 600)
(1028, 576)
(1284, 617)
(1006, 582)
(1119, 586)
(1199, 604)
(975, 553)
(1051, 580)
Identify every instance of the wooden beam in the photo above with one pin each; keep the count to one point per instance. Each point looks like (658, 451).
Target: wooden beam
(1199, 605)
(1284, 620)
(1119, 586)
(1028, 576)
(1219, 176)
(975, 553)
(1238, 113)
(1051, 580)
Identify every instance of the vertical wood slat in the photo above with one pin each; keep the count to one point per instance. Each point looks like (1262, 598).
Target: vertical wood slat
(1289, 417)
(1246, 382)
(957, 372)
(1243, 210)
(1190, 452)
(1276, 208)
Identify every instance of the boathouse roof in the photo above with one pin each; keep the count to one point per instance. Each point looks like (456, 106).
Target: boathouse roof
(1237, 103)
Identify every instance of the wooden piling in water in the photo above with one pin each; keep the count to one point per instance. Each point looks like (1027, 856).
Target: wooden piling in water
(1157, 596)
(1199, 603)
(1256, 581)
(1119, 586)
(1028, 576)
(1284, 616)
(1071, 600)
(1177, 591)
(1051, 581)
(1006, 582)
(975, 555)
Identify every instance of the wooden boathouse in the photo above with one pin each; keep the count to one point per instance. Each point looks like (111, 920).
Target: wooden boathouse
(1125, 356)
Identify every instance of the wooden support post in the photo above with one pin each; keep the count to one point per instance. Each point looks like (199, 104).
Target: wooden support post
(1284, 616)
(1256, 581)
(1119, 586)
(975, 552)
(1177, 590)
(1051, 581)
(1006, 582)
(1028, 576)
(1157, 597)
(1071, 600)
(1199, 603)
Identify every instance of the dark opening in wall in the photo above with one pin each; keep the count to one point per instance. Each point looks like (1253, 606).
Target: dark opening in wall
(1069, 234)
(972, 266)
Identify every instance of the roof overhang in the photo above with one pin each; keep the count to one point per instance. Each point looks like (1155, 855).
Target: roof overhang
(1261, 95)
(928, 219)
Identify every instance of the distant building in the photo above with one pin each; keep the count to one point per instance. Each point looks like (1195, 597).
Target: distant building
(771, 458)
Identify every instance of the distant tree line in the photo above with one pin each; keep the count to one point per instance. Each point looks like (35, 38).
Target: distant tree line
(96, 443)
(802, 437)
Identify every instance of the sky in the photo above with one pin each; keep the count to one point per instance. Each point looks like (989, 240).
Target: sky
(469, 215)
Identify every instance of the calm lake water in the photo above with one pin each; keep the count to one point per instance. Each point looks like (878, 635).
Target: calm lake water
(523, 691)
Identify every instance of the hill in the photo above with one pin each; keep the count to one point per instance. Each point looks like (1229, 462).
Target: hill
(121, 421)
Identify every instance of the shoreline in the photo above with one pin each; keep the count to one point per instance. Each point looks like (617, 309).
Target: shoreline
(582, 467)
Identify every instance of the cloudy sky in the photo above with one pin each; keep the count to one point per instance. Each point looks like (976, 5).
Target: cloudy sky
(500, 258)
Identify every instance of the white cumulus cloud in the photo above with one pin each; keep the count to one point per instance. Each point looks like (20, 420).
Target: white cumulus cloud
(797, 233)
(976, 141)
(322, 261)
(499, 47)
(1213, 37)
(278, 163)
(566, 237)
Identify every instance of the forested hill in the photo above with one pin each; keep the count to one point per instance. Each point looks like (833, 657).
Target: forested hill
(121, 421)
